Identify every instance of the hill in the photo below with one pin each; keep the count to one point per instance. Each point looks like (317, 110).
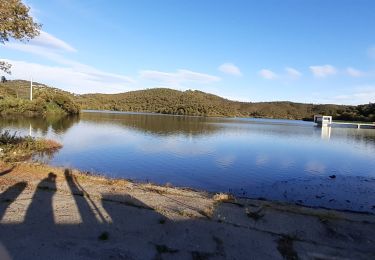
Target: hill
(197, 103)
(14, 99)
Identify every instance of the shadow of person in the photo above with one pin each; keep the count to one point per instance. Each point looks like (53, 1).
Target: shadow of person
(85, 205)
(10, 195)
(41, 207)
(7, 171)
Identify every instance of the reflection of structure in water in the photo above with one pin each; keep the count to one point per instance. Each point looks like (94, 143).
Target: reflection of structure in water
(326, 132)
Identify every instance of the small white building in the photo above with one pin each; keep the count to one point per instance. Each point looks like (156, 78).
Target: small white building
(322, 120)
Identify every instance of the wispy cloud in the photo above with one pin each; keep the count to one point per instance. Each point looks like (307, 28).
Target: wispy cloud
(78, 77)
(267, 74)
(293, 73)
(322, 71)
(354, 72)
(179, 77)
(43, 42)
(360, 95)
(47, 40)
(230, 68)
(69, 78)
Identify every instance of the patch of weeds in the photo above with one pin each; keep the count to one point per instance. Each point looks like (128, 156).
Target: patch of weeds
(155, 190)
(169, 185)
(325, 216)
(223, 197)
(104, 236)
(285, 247)
(255, 215)
(185, 213)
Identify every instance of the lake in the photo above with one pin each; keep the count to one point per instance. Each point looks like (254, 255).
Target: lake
(283, 160)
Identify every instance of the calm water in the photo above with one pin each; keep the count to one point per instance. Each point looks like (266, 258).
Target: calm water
(275, 159)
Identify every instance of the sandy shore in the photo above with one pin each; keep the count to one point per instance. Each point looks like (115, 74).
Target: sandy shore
(54, 213)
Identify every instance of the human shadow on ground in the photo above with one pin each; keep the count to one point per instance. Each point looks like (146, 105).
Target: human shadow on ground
(115, 226)
(82, 199)
(119, 226)
(7, 171)
(41, 207)
(10, 195)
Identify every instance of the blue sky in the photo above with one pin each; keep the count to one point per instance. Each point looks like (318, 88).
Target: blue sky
(306, 51)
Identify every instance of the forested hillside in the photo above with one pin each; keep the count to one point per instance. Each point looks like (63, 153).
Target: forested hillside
(161, 100)
(190, 102)
(15, 99)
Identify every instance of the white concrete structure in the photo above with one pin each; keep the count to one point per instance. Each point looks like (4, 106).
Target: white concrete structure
(322, 120)
(31, 89)
(326, 121)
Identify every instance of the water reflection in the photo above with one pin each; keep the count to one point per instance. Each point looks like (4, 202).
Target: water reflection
(162, 125)
(326, 132)
(243, 156)
(57, 123)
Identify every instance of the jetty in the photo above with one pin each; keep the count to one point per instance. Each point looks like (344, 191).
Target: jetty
(326, 121)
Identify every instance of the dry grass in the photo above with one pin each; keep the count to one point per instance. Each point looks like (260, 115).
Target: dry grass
(223, 197)
(25, 147)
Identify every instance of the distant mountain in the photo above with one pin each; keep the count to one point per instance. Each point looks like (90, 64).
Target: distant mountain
(169, 101)
(198, 103)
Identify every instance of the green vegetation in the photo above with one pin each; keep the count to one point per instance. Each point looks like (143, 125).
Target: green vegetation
(16, 23)
(14, 147)
(165, 101)
(14, 100)
(197, 103)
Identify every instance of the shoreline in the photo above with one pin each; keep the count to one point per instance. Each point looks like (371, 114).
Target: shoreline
(95, 216)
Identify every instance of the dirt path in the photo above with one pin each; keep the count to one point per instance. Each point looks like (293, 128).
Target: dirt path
(52, 213)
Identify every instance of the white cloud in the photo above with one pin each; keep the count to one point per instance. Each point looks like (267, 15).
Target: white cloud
(177, 78)
(68, 74)
(45, 42)
(360, 95)
(73, 79)
(267, 74)
(322, 71)
(354, 72)
(230, 68)
(49, 41)
(293, 73)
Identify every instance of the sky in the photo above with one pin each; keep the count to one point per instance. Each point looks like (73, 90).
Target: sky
(311, 51)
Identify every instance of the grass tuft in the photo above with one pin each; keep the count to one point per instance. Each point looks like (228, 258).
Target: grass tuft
(223, 197)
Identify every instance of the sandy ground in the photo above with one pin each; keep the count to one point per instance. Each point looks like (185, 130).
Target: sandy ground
(53, 213)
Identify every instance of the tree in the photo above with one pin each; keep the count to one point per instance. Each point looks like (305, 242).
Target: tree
(16, 23)
(3, 79)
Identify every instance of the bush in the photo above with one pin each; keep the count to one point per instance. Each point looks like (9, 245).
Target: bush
(66, 104)
(15, 147)
(6, 138)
